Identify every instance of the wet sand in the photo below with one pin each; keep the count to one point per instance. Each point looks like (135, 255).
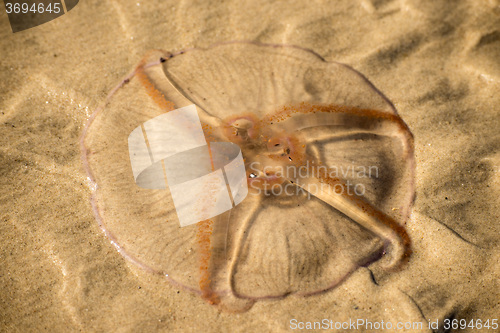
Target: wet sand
(437, 61)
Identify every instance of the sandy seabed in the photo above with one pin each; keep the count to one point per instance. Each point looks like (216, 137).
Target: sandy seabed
(437, 61)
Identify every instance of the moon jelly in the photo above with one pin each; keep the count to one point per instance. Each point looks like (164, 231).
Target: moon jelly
(328, 172)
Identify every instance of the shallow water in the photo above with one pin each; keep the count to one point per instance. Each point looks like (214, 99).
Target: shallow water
(436, 62)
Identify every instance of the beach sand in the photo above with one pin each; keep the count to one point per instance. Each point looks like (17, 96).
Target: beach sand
(437, 61)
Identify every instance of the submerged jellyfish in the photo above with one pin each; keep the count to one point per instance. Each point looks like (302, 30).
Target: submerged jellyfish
(329, 168)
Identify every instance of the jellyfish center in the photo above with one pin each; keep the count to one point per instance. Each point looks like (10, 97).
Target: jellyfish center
(270, 153)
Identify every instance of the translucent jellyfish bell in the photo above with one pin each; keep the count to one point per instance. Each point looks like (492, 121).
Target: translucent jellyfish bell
(328, 168)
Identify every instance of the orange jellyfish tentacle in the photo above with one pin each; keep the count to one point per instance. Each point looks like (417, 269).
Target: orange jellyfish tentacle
(204, 239)
(285, 118)
(377, 221)
(203, 235)
(204, 228)
(157, 97)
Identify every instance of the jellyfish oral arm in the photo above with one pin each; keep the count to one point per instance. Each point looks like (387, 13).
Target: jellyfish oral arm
(345, 120)
(363, 213)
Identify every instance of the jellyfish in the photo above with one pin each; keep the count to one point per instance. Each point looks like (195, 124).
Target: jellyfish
(328, 168)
